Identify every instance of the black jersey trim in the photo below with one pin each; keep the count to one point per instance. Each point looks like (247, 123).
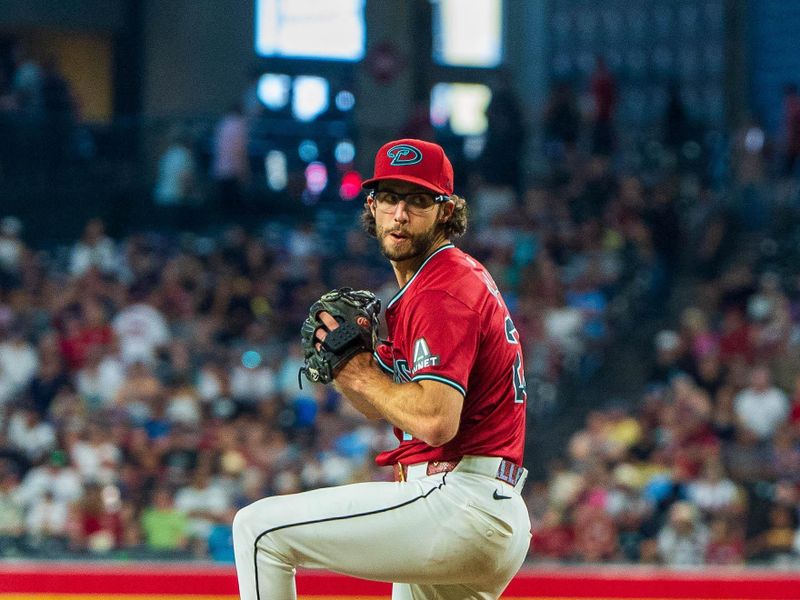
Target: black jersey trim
(403, 289)
(440, 379)
(340, 518)
(382, 364)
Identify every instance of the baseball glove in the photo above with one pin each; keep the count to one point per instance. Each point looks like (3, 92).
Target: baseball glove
(357, 312)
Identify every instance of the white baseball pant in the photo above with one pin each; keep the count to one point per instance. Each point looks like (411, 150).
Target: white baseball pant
(457, 535)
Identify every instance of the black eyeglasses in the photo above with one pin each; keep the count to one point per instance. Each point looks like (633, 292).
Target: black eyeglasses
(417, 203)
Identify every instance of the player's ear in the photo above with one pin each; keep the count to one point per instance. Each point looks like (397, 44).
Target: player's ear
(371, 203)
(447, 211)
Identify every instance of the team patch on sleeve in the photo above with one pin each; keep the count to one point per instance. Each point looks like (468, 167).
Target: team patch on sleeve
(423, 357)
(441, 340)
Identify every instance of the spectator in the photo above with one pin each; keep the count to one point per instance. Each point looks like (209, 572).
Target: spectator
(552, 538)
(251, 380)
(55, 477)
(183, 404)
(139, 395)
(203, 503)
(18, 363)
(12, 515)
(181, 454)
(94, 250)
(785, 454)
(231, 166)
(83, 331)
(95, 456)
(30, 435)
(143, 456)
(140, 327)
(220, 538)
(714, 493)
(670, 359)
(726, 543)
(761, 407)
(683, 541)
(735, 337)
(176, 186)
(12, 252)
(68, 411)
(695, 329)
(164, 527)
(775, 545)
(630, 511)
(50, 377)
(98, 528)
(100, 378)
(595, 534)
(46, 523)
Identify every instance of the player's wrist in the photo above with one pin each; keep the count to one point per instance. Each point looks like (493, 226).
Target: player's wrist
(355, 375)
(355, 365)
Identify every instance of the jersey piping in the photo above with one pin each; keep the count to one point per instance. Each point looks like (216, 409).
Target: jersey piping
(403, 289)
(339, 518)
(382, 364)
(441, 379)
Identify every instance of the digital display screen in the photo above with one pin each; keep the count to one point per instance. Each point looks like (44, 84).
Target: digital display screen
(468, 33)
(461, 106)
(311, 29)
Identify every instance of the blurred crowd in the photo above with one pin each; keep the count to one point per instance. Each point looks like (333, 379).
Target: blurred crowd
(704, 466)
(149, 383)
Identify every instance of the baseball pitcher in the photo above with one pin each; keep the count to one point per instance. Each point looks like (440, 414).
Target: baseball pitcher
(449, 378)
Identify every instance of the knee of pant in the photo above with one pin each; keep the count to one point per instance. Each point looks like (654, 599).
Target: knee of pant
(255, 523)
(254, 519)
(243, 523)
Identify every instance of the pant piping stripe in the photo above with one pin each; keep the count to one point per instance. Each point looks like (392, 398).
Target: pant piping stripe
(325, 520)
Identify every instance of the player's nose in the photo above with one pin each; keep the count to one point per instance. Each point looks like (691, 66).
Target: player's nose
(400, 212)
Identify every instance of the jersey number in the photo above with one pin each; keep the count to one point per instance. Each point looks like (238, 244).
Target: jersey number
(520, 390)
(512, 337)
(518, 372)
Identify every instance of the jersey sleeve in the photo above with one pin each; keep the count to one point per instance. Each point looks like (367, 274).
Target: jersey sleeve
(384, 356)
(442, 339)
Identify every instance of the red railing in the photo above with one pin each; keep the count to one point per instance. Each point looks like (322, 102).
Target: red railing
(40, 580)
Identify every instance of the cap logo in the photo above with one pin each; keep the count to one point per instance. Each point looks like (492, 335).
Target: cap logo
(403, 155)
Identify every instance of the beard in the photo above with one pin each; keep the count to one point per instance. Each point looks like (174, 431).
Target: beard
(415, 246)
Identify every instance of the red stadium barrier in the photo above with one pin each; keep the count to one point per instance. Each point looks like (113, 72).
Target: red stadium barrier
(149, 581)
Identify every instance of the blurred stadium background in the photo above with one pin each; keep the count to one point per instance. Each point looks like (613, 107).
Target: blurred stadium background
(179, 179)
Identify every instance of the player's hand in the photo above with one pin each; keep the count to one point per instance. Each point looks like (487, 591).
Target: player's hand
(356, 363)
(341, 324)
(322, 332)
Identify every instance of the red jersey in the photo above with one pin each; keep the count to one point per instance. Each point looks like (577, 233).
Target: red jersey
(450, 324)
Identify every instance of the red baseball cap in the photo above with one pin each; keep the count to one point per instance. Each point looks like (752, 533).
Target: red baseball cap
(415, 161)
